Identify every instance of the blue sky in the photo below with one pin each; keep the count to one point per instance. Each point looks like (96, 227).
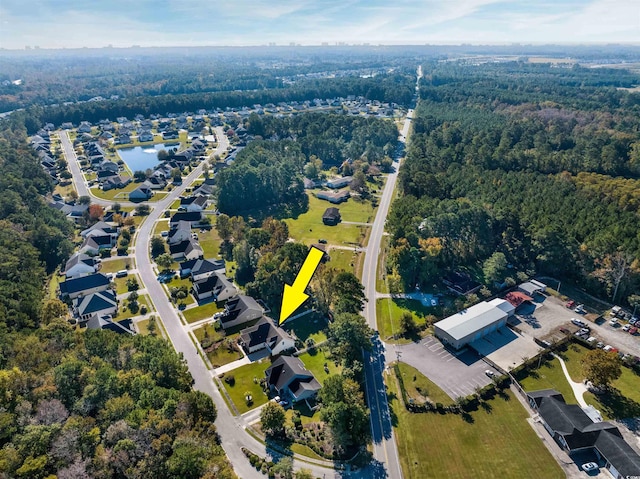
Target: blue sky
(121, 23)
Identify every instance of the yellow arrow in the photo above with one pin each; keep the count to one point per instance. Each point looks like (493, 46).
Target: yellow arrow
(294, 295)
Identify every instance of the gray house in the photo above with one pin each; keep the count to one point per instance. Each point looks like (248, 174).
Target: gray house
(288, 378)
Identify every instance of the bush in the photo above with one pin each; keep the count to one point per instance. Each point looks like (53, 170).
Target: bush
(143, 309)
(230, 379)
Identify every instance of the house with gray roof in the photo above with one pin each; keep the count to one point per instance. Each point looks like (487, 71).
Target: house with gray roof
(79, 265)
(240, 310)
(187, 249)
(98, 321)
(288, 378)
(200, 269)
(93, 283)
(215, 286)
(265, 335)
(101, 303)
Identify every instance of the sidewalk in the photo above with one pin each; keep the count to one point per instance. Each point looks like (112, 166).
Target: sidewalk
(578, 388)
(231, 366)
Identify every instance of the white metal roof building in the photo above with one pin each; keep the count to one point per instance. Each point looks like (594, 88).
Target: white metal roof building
(473, 323)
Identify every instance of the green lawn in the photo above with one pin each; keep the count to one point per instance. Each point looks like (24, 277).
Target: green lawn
(125, 313)
(116, 264)
(160, 226)
(308, 227)
(210, 243)
(121, 283)
(222, 355)
(310, 326)
(116, 193)
(201, 312)
(54, 283)
(549, 376)
(419, 387)
(495, 442)
(381, 275)
(315, 363)
(306, 415)
(344, 259)
(244, 382)
(389, 311)
(210, 330)
(622, 401)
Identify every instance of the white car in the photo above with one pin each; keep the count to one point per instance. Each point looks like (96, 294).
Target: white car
(589, 466)
(626, 327)
(490, 373)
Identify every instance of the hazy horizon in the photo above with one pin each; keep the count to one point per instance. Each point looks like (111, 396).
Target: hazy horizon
(59, 24)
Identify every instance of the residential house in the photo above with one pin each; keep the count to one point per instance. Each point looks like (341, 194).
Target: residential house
(334, 197)
(110, 166)
(240, 310)
(123, 139)
(101, 228)
(264, 334)
(182, 232)
(156, 182)
(215, 286)
(574, 431)
(113, 182)
(102, 175)
(309, 184)
(141, 193)
(331, 216)
(145, 136)
(192, 217)
(337, 183)
(105, 322)
(93, 283)
(79, 265)
(170, 135)
(94, 244)
(101, 303)
(288, 378)
(200, 269)
(204, 190)
(74, 212)
(188, 249)
(194, 203)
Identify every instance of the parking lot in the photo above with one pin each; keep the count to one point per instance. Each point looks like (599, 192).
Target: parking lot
(456, 373)
(506, 348)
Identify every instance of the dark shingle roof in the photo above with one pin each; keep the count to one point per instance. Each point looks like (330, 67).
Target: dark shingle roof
(202, 266)
(618, 453)
(96, 302)
(86, 282)
(238, 306)
(263, 331)
(287, 371)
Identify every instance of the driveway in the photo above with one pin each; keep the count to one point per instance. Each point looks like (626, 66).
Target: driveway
(456, 373)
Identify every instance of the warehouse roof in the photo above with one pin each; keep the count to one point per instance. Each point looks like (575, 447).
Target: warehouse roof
(471, 319)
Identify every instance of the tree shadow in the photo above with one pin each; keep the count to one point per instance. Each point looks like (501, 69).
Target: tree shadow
(468, 418)
(618, 406)
(392, 414)
(486, 407)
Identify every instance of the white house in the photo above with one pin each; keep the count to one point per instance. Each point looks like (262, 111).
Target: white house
(265, 335)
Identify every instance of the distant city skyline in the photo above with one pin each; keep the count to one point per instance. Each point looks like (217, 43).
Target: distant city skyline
(120, 23)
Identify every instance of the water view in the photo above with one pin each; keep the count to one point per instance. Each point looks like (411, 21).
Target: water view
(143, 157)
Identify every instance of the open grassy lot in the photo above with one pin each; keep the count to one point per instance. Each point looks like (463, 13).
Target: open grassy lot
(220, 354)
(389, 311)
(381, 275)
(494, 442)
(143, 326)
(54, 283)
(345, 259)
(244, 382)
(116, 264)
(160, 226)
(210, 243)
(116, 193)
(121, 283)
(201, 312)
(310, 326)
(308, 227)
(623, 398)
(65, 189)
(549, 376)
(209, 330)
(420, 388)
(315, 363)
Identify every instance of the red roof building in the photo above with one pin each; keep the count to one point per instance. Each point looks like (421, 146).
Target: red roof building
(516, 298)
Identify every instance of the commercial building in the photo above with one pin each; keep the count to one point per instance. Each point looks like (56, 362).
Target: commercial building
(473, 323)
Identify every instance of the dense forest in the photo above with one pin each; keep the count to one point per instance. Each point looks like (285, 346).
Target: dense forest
(267, 174)
(536, 163)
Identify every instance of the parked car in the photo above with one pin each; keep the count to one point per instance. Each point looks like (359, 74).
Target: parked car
(164, 234)
(626, 327)
(589, 466)
(613, 322)
(322, 241)
(570, 304)
(608, 348)
(122, 273)
(600, 345)
(490, 373)
(591, 339)
(633, 331)
(580, 309)
(578, 322)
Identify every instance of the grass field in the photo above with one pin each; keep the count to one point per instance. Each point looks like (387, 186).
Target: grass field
(116, 193)
(315, 363)
(310, 326)
(549, 376)
(201, 312)
(64, 190)
(381, 274)
(116, 264)
(419, 387)
(221, 356)
(345, 259)
(389, 311)
(244, 382)
(125, 313)
(143, 326)
(210, 243)
(308, 227)
(494, 442)
(622, 401)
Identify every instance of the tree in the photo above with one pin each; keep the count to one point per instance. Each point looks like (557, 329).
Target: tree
(151, 326)
(163, 155)
(349, 334)
(272, 417)
(223, 226)
(143, 210)
(116, 207)
(164, 261)
(139, 176)
(408, 324)
(494, 268)
(158, 246)
(304, 474)
(188, 460)
(601, 367)
(349, 291)
(95, 212)
(284, 468)
(53, 309)
(84, 200)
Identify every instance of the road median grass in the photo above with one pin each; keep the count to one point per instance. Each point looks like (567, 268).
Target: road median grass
(494, 441)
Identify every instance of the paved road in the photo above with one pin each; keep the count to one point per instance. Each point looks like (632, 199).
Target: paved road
(385, 450)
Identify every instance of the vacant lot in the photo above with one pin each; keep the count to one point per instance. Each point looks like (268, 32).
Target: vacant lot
(316, 364)
(201, 312)
(247, 380)
(116, 264)
(389, 311)
(308, 227)
(420, 388)
(310, 326)
(116, 193)
(494, 442)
